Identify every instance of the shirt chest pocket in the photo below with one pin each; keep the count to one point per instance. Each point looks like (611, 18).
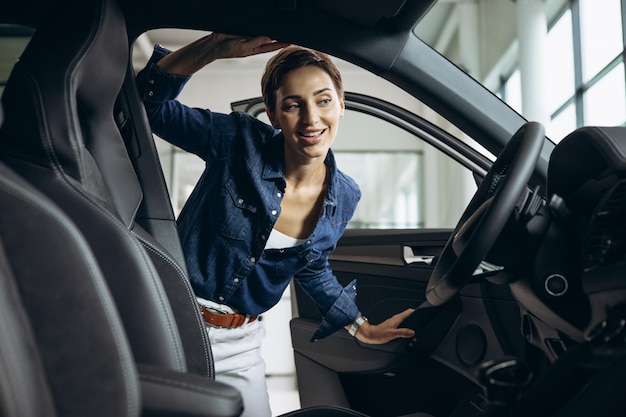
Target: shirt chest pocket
(236, 211)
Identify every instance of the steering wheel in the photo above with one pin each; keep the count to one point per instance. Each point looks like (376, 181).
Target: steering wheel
(486, 214)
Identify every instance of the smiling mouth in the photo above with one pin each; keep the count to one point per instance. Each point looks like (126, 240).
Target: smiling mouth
(312, 138)
(310, 135)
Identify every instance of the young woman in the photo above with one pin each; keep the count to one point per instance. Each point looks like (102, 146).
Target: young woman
(270, 204)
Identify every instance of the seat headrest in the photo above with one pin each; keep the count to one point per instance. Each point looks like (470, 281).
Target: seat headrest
(588, 171)
(587, 154)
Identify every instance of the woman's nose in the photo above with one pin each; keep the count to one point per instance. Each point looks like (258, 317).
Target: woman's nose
(310, 115)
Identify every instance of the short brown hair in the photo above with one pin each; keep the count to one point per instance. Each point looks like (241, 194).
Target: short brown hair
(289, 59)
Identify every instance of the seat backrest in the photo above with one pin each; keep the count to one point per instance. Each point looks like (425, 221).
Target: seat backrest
(23, 387)
(60, 135)
(63, 350)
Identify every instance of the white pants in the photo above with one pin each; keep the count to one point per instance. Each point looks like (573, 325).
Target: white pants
(238, 362)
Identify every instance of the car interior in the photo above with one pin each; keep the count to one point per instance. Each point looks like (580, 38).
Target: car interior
(520, 309)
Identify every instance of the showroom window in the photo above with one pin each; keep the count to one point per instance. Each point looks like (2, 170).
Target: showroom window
(560, 76)
(584, 68)
(602, 56)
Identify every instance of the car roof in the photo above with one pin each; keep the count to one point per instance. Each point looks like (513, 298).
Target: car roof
(387, 15)
(342, 28)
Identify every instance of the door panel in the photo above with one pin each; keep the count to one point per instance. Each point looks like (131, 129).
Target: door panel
(395, 379)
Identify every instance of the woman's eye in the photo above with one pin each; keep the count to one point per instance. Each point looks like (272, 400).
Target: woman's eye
(291, 107)
(325, 101)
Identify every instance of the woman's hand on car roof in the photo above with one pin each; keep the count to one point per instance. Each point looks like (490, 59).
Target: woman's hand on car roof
(197, 54)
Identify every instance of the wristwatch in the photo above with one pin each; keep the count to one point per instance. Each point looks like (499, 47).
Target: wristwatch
(360, 319)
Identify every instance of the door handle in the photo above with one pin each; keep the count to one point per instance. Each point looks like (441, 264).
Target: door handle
(411, 258)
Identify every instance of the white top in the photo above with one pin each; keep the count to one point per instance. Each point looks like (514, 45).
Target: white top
(279, 240)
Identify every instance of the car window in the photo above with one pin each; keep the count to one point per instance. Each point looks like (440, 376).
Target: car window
(408, 183)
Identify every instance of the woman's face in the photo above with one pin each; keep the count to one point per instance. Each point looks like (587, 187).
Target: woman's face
(308, 109)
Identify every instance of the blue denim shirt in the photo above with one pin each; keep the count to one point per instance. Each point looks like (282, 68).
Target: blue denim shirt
(227, 219)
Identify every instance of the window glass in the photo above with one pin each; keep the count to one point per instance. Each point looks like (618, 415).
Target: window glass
(562, 124)
(601, 34)
(389, 185)
(605, 101)
(560, 62)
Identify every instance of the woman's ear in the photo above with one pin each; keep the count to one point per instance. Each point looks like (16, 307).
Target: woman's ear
(271, 117)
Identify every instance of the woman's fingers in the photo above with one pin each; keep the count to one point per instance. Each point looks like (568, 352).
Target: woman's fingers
(240, 46)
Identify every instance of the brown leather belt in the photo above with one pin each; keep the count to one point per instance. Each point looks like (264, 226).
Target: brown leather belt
(225, 320)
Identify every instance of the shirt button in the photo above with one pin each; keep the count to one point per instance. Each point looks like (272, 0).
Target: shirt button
(240, 201)
(236, 279)
(221, 298)
(252, 259)
(274, 212)
(263, 237)
(150, 93)
(279, 194)
(308, 242)
(151, 81)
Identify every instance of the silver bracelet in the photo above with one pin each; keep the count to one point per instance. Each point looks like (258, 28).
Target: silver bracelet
(360, 319)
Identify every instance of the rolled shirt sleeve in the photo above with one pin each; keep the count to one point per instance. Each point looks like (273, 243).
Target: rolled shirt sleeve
(337, 304)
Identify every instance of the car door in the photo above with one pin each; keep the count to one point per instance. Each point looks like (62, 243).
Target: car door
(415, 187)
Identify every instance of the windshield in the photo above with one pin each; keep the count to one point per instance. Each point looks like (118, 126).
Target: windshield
(545, 58)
